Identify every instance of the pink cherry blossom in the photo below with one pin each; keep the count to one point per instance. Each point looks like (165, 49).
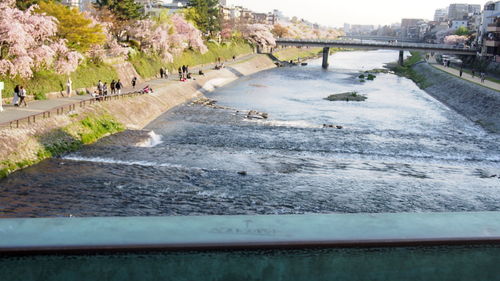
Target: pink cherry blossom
(27, 44)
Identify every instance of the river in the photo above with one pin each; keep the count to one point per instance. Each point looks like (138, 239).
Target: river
(398, 151)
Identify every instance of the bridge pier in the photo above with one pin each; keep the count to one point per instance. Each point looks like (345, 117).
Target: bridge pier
(326, 54)
(401, 57)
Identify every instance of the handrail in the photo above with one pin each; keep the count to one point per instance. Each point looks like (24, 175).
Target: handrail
(60, 109)
(58, 235)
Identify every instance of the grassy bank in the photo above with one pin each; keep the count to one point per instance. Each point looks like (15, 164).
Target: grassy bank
(45, 81)
(57, 142)
(406, 70)
(148, 66)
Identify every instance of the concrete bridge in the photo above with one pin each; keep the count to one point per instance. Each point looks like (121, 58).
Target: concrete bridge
(351, 44)
(377, 38)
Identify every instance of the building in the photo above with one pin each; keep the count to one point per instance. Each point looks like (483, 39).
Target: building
(358, 29)
(462, 11)
(72, 3)
(414, 29)
(491, 44)
(490, 11)
(441, 15)
(260, 18)
(489, 32)
(458, 11)
(459, 23)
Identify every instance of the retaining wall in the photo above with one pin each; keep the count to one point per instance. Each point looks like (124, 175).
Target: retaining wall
(477, 103)
(26, 146)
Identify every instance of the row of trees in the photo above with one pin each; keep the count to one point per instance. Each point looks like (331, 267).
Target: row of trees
(44, 34)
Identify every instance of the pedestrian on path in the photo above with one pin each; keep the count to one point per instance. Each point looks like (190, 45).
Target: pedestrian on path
(15, 100)
(473, 73)
(483, 77)
(105, 88)
(100, 88)
(162, 72)
(180, 73)
(119, 87)
(22, 96)
(461, 72)
(69, 84)
(113, 87)
(184, 72)
(134, 82)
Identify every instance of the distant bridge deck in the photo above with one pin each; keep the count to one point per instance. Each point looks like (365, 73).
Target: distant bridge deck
(378, 38)
(399, 46)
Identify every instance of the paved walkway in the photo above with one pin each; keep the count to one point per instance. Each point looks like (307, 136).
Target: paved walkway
(465, 76)
(12, 113)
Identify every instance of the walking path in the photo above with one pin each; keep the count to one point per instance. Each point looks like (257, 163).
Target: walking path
(466, 76)
(12, 113)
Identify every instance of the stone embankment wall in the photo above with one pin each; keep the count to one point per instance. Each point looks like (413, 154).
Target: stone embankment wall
(479, 104)
(23, 147)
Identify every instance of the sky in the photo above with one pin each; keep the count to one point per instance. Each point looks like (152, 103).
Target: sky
(335, 13)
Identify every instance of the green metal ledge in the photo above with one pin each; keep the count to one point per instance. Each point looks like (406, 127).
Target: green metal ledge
(56, 235)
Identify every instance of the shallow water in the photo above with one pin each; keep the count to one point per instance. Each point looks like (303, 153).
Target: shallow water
(399, 151)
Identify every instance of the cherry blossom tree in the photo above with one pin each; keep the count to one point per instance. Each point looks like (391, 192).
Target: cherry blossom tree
(27, 44)
(189, 33)
(259, 34)
(167, 37)
(455, 39)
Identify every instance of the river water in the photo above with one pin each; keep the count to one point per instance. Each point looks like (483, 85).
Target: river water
(399, 151)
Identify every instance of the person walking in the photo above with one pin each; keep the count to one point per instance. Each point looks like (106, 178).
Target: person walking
(15, 100)
(134, 82)
(461, 72)
(22, 96)
(69, 84)
(184, 70)
(100, 88)
(113, 87)
(162, 72)
(483, 77)
(180, 73)
(118, 87)
(105, 88)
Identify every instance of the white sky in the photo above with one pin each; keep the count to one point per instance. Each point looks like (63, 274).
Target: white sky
(336, 13)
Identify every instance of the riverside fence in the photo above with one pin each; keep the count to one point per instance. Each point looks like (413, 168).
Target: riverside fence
(62, 109)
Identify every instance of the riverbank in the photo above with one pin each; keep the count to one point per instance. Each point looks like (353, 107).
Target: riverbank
(23, 147)
(477, 103)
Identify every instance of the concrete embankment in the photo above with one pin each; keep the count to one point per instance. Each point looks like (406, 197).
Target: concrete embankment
(23, 147)
(477, 103)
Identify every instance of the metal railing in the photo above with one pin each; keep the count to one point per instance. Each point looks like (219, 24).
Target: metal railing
(63, 109)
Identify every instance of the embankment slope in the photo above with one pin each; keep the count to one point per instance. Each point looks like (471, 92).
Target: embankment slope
(477, 103)
(23, 147)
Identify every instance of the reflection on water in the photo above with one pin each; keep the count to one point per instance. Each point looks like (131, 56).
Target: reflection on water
(399, 151)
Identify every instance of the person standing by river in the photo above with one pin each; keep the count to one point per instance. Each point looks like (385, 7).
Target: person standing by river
(22, 96)
(118, 87)
(69, 84)
(15, 100)
(134, 82)
(100, 88)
